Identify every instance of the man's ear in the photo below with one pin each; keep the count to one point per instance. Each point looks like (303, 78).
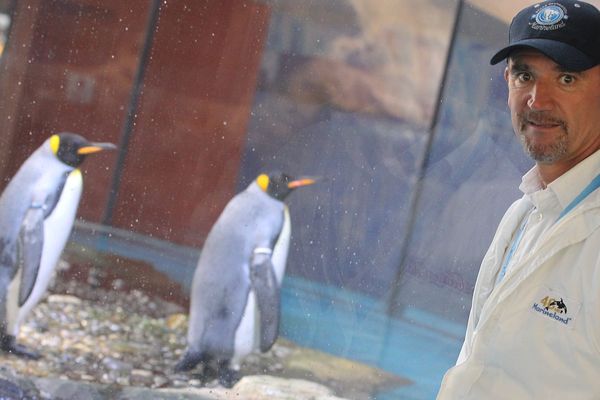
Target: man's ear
(506, 73)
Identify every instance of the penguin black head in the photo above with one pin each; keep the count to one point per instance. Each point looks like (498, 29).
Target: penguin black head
(72, 149)
(279, 186)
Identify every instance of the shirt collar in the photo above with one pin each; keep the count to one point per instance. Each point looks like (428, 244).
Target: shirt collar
(567, 186)
(531, 181)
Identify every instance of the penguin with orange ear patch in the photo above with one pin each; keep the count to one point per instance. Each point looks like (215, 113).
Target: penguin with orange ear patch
(37, 211)
(235, 302)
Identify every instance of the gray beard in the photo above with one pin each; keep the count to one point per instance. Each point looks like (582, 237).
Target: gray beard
(546, 154)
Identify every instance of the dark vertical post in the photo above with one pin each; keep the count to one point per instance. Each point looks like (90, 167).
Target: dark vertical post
(134, 100)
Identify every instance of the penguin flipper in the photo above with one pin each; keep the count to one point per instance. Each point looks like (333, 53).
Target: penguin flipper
(266, 289)
(29, 250)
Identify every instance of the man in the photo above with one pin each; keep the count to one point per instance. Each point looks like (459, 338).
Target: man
(534, 326)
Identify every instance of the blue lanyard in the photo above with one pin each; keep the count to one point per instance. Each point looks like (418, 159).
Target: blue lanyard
(513, 247)
(593, 185)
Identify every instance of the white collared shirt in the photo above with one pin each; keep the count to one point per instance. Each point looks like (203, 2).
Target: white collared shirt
(516, 345)
(547, 204)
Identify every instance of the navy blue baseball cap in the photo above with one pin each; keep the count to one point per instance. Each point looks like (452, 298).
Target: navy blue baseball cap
(566, 31)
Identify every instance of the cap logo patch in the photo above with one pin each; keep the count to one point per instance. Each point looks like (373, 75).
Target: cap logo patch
(549, 17)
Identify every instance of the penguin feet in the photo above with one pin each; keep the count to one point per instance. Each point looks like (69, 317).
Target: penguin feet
(189, 361)
(227, 376)
(9, 344)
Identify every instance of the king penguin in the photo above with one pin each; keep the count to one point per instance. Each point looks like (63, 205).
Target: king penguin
(235, 303)
(37, 211)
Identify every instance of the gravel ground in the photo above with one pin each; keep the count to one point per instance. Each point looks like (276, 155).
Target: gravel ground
(124, 338)
(114, 337)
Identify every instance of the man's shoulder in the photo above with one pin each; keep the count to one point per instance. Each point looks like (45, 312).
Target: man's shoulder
(521, 204)
(515, 213)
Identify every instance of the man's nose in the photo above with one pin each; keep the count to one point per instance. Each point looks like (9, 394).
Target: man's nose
(540, 97)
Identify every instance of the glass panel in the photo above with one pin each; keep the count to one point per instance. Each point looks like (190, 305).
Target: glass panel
(332, 102)
(472, 176)
(347, 92)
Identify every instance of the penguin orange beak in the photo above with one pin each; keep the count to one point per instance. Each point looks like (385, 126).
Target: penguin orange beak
(301, 182)
(95, 148)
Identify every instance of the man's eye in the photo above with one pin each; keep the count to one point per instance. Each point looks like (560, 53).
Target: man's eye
(567, 79)
(523, 76)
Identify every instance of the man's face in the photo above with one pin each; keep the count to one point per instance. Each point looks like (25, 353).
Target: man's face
(555, 113)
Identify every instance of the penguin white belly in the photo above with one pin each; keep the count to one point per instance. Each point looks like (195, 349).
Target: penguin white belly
(246, 335)
(57, 229)
(281, 248)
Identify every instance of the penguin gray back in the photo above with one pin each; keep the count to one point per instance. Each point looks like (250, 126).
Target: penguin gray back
(235, 298)
(29, 250)
(40, 178)
(221, 282)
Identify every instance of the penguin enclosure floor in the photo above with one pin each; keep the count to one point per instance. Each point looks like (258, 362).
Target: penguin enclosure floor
(127, 338)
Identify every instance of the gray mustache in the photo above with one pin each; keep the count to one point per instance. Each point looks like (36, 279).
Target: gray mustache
(541, 118)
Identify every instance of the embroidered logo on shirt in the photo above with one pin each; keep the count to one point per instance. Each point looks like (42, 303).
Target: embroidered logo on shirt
(553, 308)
